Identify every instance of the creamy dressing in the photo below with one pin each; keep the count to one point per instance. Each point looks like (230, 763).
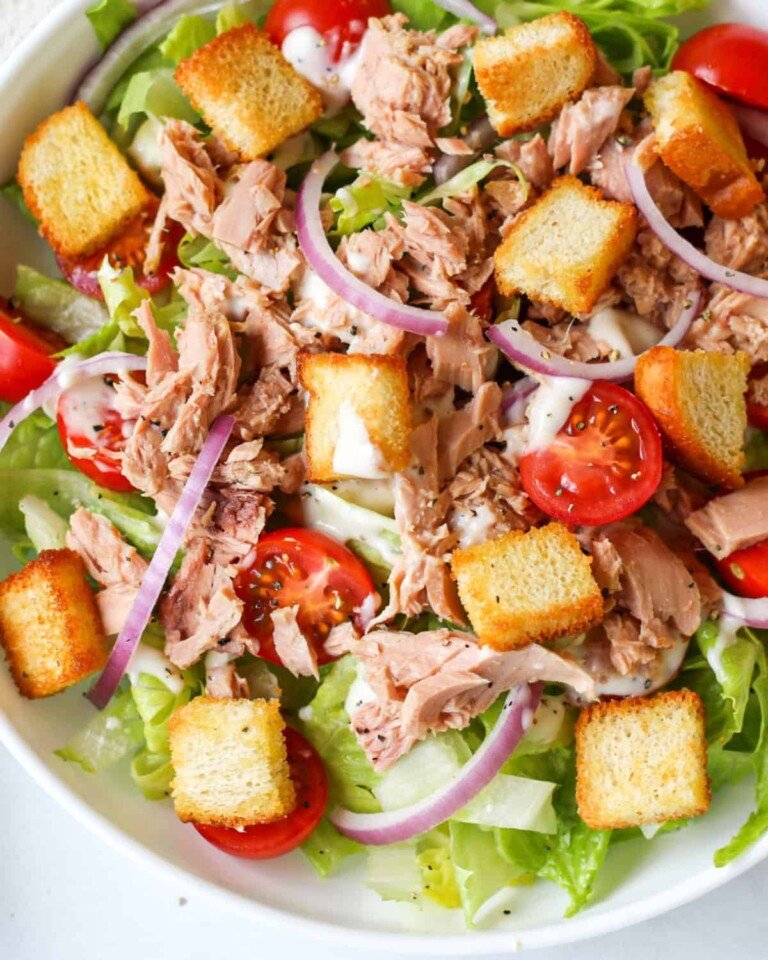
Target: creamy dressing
(355, 454)
(473, 524)
(155, 663)
(146, 153)
(83, 407)
(311, 287)
(729, 628)
(360, 693)
(625, 333)
(310, 55)
(549, 408)
(649, 830)
(377, 495)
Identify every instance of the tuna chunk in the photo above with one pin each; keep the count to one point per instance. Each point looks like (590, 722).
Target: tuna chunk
(733, 522)
(581, 129)
(295, 651)
(532, 157)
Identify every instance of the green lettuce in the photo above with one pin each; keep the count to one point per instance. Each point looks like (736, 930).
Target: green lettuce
(12, 193)
(393, 872)
(57, 305)
(112, 733)
(189, 33)
(45, 528)
(109, 18)
(154, 93)
(438, 878)
(467, 178)
(199, 252)
(237, 14)
(366, 201)
(756, 450)
(325, 848)
(423, 14)
(482, 874)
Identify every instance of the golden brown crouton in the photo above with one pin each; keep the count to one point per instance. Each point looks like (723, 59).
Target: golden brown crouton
(698, 400)
(642, 760)
(699, 139)
(49, 624)
(566, 247)
(77, 183)
(359, 411)
(248, 92)
(527, 587)
(527, 73)
(230, 762)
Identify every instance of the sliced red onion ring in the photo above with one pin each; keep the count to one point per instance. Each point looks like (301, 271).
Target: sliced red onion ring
(468, 11)
(700, 262)
(157, 571)
(515, 399)
(520, 346)
(394, 826)
(67, 373)
(752, 120)
(315, 247)
(752, 612)
(155, 20)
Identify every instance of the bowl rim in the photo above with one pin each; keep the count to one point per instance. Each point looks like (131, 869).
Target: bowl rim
(480, 942)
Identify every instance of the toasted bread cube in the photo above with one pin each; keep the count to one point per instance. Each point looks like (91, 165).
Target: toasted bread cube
(699, 402)
(642, 760)
(530, 71)
(699, 139)
(230, 762)
(358, 416)
(77, 183)
(248, 92)
(527, 587)
(566, 247)
(49, 624)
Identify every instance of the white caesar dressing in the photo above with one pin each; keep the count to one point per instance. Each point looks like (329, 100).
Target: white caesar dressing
(84, 405)
(310, 55)
(312, 288)
(155, 663)
(146, 153)
(473, 524)
(355, 454)
(360, 692)
(549, 408)
(626, 333)
(728, 635)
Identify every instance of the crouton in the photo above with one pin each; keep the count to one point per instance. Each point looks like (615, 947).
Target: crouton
(530, 71)
(50, 626)
(527, 587)
(698, 400)
(566, 247)
(642, 760)
(699, 140)
(248, 92)
(77, 183)
(230, 762)
(358, 416)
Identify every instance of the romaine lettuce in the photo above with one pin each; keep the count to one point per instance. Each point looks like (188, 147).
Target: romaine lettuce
(154, 93)
(109, 18)
(57, 305)
(366, 201)
(112, 733)
(189, 33)
(484, 877)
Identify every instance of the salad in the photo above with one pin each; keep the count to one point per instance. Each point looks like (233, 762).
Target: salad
(388, 458)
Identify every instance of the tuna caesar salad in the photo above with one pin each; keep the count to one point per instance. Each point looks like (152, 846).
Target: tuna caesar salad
(385, 445)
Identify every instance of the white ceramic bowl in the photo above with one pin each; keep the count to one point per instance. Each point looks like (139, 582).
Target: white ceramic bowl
(647, 878)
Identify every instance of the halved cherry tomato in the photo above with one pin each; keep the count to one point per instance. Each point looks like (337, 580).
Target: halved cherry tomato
(482, 302)
(746, 571)
(127, 250)
(604, 464)
(733, 57)
(304, 567)
(757, 411)
(340, 22)
(93, 432)
(25, 356)
(262, 841)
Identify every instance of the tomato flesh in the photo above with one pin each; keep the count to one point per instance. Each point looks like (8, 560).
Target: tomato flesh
(262, 841)
(757, 396)
(25, 358)
(342, 22)
(295, 566)
(602, 466)
(482, 303)
(93, 433)
(746, 571)
(732, 57)
(127, 250)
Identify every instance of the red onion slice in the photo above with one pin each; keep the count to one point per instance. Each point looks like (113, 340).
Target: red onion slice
(717, 272)
(67, 373)
(465, 10)
(752, 120)
(520, 346)
(157, 571)
(315, 247)
(394, 826)
(752, 612)
(515, 400)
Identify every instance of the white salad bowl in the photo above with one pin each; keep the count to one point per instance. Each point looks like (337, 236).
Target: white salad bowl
(644, 879)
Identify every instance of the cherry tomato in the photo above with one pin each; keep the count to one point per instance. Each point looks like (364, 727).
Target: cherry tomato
(25, 356)
(262, 841)
(304, 567)
(757, 398)
(746, 571)
(733, 57)
(340, 22)
(482, 303)
(127, 250)
(93, 432)
(603, 465)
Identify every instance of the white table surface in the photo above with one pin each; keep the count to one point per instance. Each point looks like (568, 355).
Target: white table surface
(64, 895)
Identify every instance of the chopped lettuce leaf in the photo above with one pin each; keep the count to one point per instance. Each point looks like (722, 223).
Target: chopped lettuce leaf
(484, 877)
(45, 528)
(325, 724)
(365, 202)
(427, 767)
(325, 847)
(150, 59)
(122, 296)
(518, 803)
(112, 733)
(438, 878)
(756, 450)
(467, 178)
(199, 252)
(189, 33)
(154, 93)
(726, 767)
(152, 773)
(12, 193)
(732, 655)
(57, 305)
(109, 18)
(236, 14)
(108, 337)
(423, 14)
(35, 442)
(393, 872)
